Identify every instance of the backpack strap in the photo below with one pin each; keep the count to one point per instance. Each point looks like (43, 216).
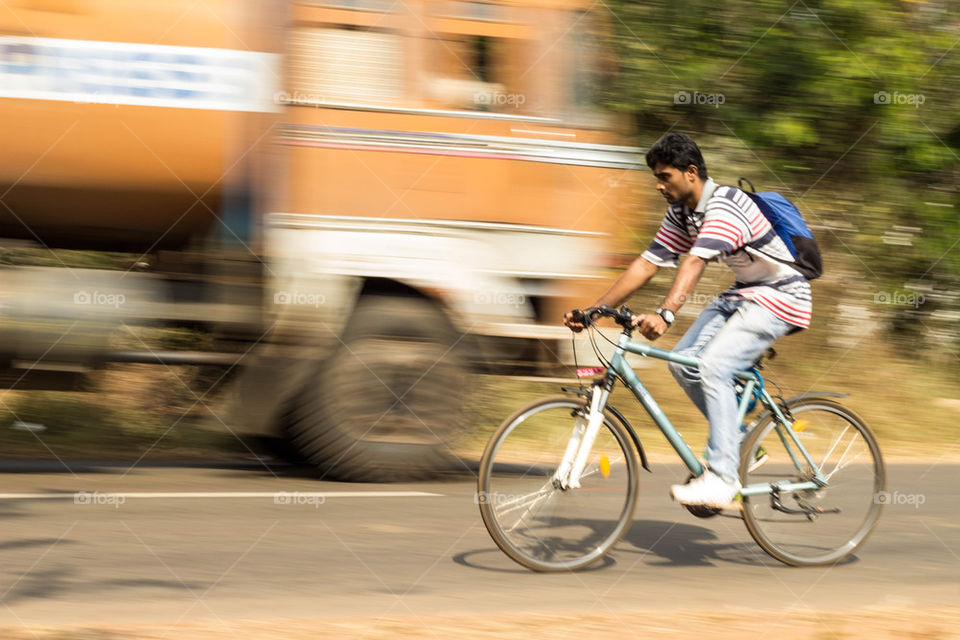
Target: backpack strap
(740, 184)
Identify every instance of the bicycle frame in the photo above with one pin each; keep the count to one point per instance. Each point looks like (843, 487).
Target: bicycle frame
(578, 449)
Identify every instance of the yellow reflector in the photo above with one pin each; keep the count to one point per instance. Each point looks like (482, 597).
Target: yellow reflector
(800, 425)
(605, 466)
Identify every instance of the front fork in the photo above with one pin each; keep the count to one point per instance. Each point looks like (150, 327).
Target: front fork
(581, 441)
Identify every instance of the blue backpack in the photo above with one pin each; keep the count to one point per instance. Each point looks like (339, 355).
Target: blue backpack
(789, 224)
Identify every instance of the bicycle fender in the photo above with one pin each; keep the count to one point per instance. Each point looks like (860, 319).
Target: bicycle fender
(817, 394)
(623, 423)
(633, 435)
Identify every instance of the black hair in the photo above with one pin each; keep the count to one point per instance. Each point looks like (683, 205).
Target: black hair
(679, 151)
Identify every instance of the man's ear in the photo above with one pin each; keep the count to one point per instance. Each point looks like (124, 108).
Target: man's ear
(691, 174)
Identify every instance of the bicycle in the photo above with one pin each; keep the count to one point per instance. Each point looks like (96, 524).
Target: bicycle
(558, 479)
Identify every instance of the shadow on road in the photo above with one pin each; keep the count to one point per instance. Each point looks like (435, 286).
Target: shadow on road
(495, 560)
(65, 580)
(658, 543)
(680, 544)
(685, 545)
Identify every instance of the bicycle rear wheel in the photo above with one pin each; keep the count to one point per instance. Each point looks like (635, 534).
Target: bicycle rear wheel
(537, 524)
(821, 527)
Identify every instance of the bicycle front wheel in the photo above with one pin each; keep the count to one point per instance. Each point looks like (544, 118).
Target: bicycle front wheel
(538, 524)
(813, 527)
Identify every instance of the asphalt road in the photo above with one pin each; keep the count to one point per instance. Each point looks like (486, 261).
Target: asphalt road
(218, 546)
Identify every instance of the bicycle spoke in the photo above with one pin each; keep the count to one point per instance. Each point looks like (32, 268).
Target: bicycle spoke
(835, 443)
(845, 452)
(522, 501)
(596, 468)
(520, 520)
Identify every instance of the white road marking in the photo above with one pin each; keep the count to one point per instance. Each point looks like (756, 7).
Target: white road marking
(220, 494)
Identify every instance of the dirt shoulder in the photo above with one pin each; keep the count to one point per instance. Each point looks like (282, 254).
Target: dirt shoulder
(801, 624)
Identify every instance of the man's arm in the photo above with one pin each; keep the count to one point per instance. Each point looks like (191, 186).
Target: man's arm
(688, 275)
(637, 274)
(652, 326)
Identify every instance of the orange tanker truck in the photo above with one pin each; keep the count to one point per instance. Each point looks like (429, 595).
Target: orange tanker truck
(361, 201)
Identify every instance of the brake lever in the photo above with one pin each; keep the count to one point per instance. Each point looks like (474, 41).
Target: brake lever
(584, 316)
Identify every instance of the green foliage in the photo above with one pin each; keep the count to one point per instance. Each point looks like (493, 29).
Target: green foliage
(853, 103)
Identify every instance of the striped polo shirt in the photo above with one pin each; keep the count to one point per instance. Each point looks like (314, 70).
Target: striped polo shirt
(727, 225)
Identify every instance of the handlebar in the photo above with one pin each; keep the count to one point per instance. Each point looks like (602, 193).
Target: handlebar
(622, 316)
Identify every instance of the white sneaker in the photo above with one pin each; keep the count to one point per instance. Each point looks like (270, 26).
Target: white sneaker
(709, 489)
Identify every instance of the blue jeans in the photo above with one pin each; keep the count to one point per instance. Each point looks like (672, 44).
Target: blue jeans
(728, 336)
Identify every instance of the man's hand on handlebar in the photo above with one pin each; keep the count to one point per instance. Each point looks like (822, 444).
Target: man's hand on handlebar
(576, 320)
(651, 325)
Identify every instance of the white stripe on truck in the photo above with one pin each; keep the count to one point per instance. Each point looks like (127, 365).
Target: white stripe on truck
(98, 72)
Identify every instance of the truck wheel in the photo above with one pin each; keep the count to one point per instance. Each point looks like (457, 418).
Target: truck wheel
(385, 406)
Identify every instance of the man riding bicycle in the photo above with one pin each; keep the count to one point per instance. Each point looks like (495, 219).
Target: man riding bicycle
(768, 299)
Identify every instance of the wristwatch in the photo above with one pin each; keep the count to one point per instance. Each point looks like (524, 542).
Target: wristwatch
(667, 315)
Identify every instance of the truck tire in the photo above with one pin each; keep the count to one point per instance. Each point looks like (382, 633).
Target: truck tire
(387, 403)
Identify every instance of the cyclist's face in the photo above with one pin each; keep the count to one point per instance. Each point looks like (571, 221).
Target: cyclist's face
(673, 184)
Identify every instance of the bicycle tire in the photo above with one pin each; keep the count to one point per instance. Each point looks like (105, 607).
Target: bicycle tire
(760, 520)
(485, 486)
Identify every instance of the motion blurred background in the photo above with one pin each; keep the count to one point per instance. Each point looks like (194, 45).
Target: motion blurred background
(245, 221)
(343, 233)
